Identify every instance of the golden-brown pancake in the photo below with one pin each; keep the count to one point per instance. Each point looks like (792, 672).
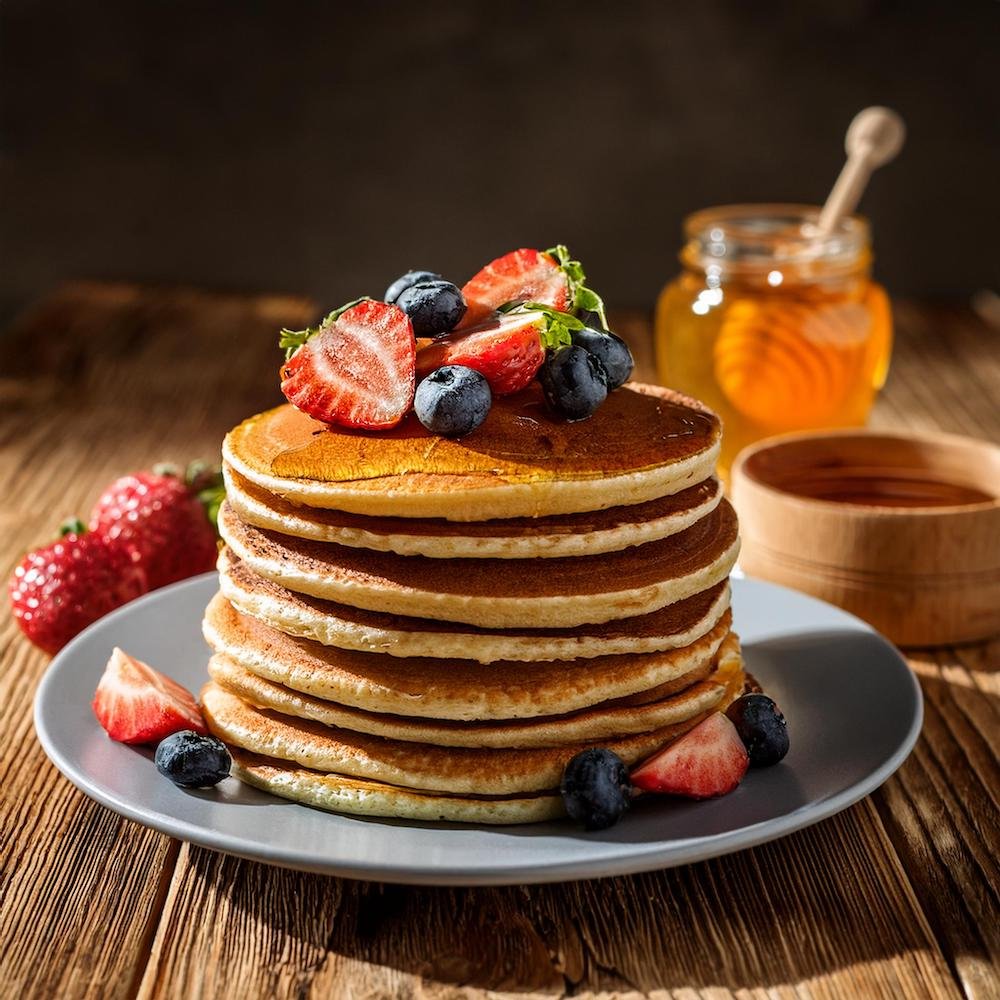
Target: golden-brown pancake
(360, 797)
(643, 443)
(589, 533)
(339, 625)
(604, 721)
(455, 770)
(497, 593)
(426, 687)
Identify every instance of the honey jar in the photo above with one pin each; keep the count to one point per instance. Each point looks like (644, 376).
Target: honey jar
(774, 324)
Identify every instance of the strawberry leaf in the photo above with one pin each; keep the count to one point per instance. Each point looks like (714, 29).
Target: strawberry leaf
(557, 328)
(580, 296)
(292, 340)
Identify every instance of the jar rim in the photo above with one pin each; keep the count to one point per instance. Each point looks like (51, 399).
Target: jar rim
(749, 235)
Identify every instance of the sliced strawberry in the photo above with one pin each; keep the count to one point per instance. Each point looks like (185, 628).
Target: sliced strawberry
(356, 369)
(507, 351)
(137, 704)
(519, 276)
(710, 760)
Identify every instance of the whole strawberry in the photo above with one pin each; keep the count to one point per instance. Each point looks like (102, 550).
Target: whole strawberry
(163, 519)
(57, 591)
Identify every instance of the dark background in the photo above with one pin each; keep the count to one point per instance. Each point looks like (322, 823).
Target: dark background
(325, 147)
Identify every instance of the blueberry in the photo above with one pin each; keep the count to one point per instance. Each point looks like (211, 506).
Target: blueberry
(574, 382)
(610, 350)
(596, 789)
(406, 281)
(434, 307)
(191, 760)
(762, 728)
(452, 400)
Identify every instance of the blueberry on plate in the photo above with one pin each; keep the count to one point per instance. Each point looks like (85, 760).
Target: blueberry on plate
(407, 281)
(434, 307)
(595, 788)
(452, 400)
(761, 727)
(574, 382)
(192, 760)
(610, 350)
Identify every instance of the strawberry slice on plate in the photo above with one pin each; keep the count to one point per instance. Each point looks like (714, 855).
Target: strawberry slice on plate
(355, 369)
(523, 275)
(507, 351)
(137, 704)
(709, 760)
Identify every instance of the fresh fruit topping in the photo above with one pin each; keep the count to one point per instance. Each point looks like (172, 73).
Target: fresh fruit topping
(137, 704)
(761, 727)
(355, 369)
(574, 382)
(57, 591)
(164, 519)
(407, 281)
(434, 307)
(193, 760)
(519, 276)
(552, 278)
(610, 350)
(506, 350)
(596, 789)
(453, 400)
(709, 760)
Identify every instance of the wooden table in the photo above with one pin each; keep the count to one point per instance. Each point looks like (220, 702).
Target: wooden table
(896, 897)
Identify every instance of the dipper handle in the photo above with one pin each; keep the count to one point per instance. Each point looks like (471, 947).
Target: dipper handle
(873, 138)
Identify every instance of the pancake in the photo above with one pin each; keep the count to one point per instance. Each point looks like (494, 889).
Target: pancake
(331, 624)
(583, 534)
(454, 770)
(497, 593)
(358, 797)
(643, 443)
(456, 689)
(600, 722)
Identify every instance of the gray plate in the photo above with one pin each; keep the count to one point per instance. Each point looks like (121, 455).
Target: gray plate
(853, 707)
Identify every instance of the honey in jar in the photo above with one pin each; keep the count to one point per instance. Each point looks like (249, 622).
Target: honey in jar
(775, 325)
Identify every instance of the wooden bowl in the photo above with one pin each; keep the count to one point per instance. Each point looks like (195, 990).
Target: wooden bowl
(903, 531)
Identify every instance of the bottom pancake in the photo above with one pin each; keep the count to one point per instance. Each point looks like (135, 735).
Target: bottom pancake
(359, 797)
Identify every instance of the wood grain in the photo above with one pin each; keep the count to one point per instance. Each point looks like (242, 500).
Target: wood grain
(897, 897)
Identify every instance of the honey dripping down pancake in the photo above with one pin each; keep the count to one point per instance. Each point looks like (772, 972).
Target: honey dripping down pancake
(497, 593)
(344, 627)
(642, 444)
(458, 689)
(588, 533)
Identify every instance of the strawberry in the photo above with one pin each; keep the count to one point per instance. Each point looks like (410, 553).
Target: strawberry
(57, 591)
(137, 704)
(709, 760)
(519, 276)
(355, 369)
(507, 350)
(160, 517)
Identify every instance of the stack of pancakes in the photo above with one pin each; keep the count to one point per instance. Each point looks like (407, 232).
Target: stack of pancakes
(426, 628)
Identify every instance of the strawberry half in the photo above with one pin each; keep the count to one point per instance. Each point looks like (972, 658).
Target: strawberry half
(519, 276)
(137, 704)
(709, 760)
(356, 369)
(507, 351)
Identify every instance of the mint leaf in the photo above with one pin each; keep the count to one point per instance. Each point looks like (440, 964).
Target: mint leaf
(292, 340)
(580, 296)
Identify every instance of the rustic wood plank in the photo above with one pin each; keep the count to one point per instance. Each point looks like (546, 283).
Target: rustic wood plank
(96, 381)
(832, 912)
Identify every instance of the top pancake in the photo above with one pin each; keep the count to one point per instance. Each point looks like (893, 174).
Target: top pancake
(643, 443)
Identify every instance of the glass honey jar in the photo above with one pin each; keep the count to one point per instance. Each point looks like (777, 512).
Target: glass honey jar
(774, 325)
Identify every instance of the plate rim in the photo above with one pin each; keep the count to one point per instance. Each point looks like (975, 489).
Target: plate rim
(659, 855)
